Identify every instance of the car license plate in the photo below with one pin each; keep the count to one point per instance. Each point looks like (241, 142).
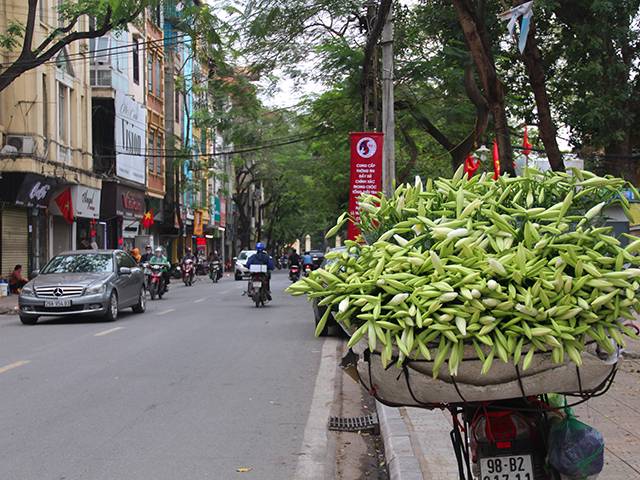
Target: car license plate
(256, 284)
(57, 303)
(514, 467)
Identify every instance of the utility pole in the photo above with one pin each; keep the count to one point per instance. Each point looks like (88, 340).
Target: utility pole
(388, 115)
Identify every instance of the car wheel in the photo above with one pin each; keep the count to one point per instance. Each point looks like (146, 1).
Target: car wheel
(112, 308)
(141, 306)
(28, 320)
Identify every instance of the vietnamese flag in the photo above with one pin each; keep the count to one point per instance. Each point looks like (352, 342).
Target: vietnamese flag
(496, 161)
(64, 204)
(471, 165)
(147, 220)
(526, 146)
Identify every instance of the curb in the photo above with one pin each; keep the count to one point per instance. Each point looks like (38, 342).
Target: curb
(398, 450)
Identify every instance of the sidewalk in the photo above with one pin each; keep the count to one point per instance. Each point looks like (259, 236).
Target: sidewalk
(9, 305)
(418, 447)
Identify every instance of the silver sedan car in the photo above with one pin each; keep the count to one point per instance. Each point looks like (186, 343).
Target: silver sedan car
(84, 282)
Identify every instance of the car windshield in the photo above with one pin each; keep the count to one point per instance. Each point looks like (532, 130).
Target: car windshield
(244, 255)
(82, 263)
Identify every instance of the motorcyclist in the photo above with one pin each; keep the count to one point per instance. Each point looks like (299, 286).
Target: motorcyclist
(159, 259)
(307, 259)
(261, 257)
(294, 258)
(146, 256)
(188, 256)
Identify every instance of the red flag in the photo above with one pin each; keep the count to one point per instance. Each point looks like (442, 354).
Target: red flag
(525, 143)
(147, 220)
(471, 165)
(496, 161)
(64, 204)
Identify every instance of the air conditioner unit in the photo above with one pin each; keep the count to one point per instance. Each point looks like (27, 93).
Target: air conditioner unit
(22, 143)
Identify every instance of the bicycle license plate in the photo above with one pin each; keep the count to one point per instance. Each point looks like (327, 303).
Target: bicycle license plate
(256, 284)
(514, 467)
(57, 303)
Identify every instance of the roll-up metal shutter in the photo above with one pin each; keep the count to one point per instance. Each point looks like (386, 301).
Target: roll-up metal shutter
(15, 240)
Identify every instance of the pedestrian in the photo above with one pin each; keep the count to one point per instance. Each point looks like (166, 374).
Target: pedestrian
(16, 280)
(135, 253)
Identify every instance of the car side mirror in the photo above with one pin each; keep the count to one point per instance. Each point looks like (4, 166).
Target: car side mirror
(34, 274)
(125, 271)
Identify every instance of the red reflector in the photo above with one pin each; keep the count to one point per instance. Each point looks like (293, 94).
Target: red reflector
(503, 445)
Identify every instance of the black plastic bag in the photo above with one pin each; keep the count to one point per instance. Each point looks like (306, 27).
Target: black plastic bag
(576, 450)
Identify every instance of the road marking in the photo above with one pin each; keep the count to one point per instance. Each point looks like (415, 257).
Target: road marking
(107, 332)
(14, 365)
(312, 457)
(166, 311)
(200, 300)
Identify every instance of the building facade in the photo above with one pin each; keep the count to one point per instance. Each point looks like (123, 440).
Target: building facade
(46, 162)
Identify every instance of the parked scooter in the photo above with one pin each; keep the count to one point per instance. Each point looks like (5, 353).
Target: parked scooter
(257, 287)
(215, 271)
(294, 273)
(188, 272)
(155, 280)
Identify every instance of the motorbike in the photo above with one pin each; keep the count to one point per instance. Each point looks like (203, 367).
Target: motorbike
(188, 272)
(155, 280)
(307, 269)
(175, 271)
(202, 267)
(257, 288)
(294, 273)
(505, 439)
(215, 271)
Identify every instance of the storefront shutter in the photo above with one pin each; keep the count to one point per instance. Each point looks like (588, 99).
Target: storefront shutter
(15, 240)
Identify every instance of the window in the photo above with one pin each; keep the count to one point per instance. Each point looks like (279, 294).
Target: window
(156, 14)
(158, 78)
(63, 114)
(149, 73)
(136, 61)
(159, 154)
(152, 149)
(43, 10)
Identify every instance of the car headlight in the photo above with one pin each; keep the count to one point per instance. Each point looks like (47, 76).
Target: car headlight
(99, 288)
(27, 289)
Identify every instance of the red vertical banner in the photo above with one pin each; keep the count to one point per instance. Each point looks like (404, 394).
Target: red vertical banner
(366, 172)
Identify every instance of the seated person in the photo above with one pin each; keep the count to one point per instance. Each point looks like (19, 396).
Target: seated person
(16, 280)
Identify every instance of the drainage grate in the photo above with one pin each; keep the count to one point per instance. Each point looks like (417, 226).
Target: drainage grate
(355, 424)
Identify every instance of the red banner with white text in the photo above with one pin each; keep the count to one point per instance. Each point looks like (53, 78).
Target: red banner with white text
(366, 172)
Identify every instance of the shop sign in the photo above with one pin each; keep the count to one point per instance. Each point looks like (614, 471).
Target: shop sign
(130, 137)
(86, 201)
(223, 212)
(131, 202)
(35, 191)
(121, 201)
(216, 212)
(198, 225)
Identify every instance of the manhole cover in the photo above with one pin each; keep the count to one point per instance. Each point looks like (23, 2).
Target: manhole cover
(355, 424)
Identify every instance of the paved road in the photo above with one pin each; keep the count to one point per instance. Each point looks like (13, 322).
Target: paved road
(200, 385)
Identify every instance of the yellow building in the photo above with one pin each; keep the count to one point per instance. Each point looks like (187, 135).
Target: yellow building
(46, 146)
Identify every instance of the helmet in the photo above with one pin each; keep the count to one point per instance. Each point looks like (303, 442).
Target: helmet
(158, 250)
(189, 249)
(259, 246)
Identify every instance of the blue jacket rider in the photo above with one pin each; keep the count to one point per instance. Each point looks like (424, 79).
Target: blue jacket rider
(261, 257)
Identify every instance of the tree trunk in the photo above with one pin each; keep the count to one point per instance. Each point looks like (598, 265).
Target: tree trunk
(475, 36)
(535, 70)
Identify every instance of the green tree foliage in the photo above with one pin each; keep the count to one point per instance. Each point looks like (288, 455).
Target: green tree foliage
(107, 14)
